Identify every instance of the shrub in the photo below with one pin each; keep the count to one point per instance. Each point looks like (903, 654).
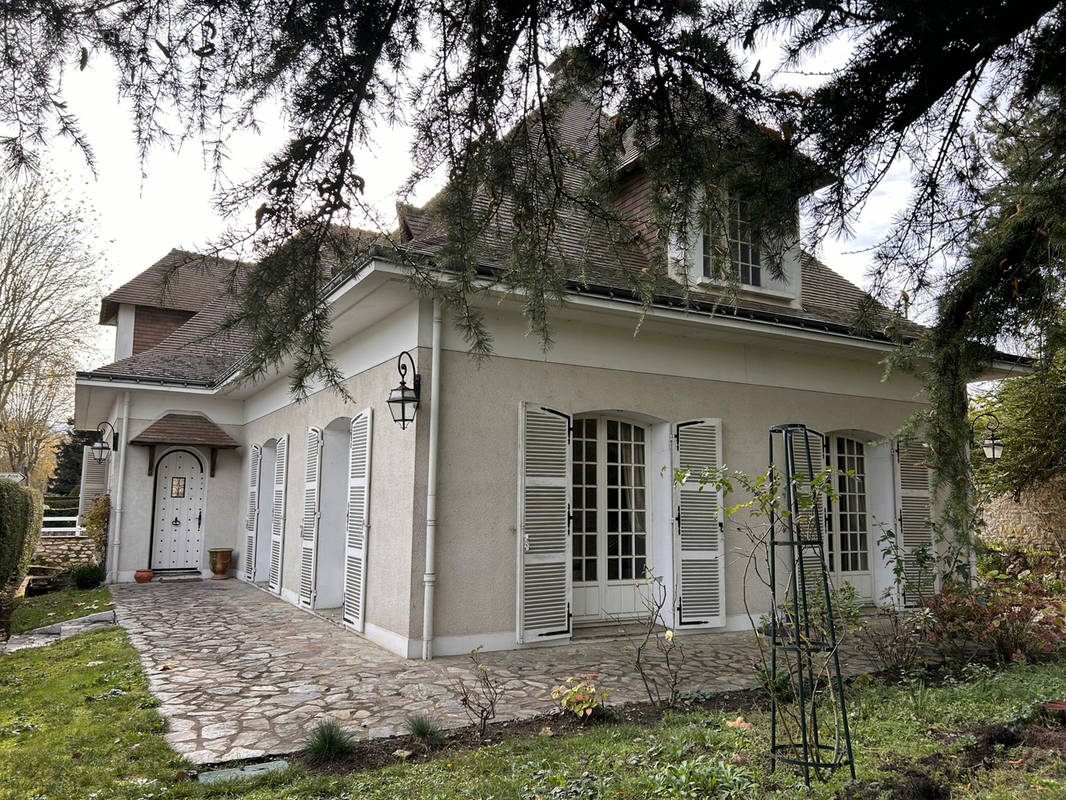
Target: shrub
(479, 699)
(87, 576)
(581, 696)
(1007, 619)
(96, 521)
(895, 639)
(425, 729)
(700, 777)
(20, 530)
(328, 742)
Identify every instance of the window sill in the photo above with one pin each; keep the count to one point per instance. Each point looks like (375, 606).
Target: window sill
(750, 291)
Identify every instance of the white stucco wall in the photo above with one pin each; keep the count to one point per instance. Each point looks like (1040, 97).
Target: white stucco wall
(602, 367)
(392, 495)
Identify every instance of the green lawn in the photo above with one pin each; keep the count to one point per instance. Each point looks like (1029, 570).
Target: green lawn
(76, 721)
(64, 604)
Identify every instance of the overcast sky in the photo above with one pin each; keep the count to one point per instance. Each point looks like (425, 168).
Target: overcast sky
(146, 209)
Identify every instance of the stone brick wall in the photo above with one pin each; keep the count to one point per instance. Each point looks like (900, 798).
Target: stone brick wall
(1036, 521)
(153, 325)
(63, 551)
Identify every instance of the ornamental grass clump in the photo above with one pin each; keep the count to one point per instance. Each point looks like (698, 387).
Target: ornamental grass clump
(425, 729)
(328, 742)
(21, 509)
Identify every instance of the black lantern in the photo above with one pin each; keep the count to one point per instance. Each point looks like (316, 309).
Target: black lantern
(403, 400)
(991, 445)
(101, 447)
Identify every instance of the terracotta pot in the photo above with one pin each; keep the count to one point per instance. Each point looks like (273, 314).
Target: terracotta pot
(143, 575)
(218, 559)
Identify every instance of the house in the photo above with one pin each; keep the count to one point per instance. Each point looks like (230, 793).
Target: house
(531, 492)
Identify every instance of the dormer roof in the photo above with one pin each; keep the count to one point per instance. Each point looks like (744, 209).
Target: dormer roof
(194, 281)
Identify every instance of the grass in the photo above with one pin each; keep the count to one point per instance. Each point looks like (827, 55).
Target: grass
(58, 606)
(76, 721)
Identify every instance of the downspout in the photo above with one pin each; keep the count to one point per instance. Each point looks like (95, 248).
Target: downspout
(116, 532)
(429, 579)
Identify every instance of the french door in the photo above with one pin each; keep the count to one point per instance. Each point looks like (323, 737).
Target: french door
(609, 504)
(848, 539)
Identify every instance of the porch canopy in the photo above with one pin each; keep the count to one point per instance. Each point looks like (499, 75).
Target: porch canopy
(189, 429)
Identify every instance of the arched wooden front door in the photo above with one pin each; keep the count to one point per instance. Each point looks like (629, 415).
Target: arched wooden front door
(178, 518)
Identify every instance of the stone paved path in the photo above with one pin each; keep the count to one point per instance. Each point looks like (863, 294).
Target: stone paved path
(58, 631)
(240, 673)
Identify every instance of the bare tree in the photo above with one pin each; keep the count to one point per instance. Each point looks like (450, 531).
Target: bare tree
(39, 401)
(49, 281)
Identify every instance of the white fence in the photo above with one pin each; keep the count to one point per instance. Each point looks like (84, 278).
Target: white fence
(62, 528)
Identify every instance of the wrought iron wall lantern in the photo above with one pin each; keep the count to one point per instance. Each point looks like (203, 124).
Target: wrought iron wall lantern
(991, 445)
(403, 400)
(102, 448)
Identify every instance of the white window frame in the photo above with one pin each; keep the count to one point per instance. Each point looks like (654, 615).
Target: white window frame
(738, 223)
(602, 557)
(833, 551)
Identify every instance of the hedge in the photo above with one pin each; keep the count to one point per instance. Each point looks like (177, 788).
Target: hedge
(20, 530)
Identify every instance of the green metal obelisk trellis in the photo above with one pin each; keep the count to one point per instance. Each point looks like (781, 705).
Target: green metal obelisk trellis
(804, 646)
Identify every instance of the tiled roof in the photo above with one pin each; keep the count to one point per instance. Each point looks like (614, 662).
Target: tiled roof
(590, 258)
(194, 281)
(184, 429)
(197, 353)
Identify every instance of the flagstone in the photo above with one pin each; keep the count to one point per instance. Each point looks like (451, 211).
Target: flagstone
(250, 674)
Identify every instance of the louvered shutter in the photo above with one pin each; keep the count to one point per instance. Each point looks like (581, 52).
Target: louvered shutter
(699, 535)
(277, 515)
(309, 524)
(357, 524)
(93, 480)
(543, 524)
(809, 459)
(251, 525)
(915, 522)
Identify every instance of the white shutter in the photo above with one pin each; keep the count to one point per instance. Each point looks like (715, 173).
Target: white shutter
(309, 525)
(251, 525)
(277, 516)
(700, 538)
(915, 521)
(544, 546)
(809, 460)
(357, 525)
(93, 480)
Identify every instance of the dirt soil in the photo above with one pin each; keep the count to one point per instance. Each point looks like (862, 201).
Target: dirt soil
(931, 777)
(374, 753)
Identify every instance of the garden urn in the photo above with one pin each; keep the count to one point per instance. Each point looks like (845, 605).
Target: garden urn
(143, 575)
(219, 562)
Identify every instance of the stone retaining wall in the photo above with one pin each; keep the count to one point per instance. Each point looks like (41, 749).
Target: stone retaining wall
(65, 550)
(1036, 521)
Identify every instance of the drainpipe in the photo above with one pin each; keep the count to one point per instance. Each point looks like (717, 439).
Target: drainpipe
(429, 579)
(116, 529)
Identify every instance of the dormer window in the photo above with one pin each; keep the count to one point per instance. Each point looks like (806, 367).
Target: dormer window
(744, 260)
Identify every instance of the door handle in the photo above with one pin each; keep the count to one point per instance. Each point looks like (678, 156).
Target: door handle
(200, 519)
(176, 522)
